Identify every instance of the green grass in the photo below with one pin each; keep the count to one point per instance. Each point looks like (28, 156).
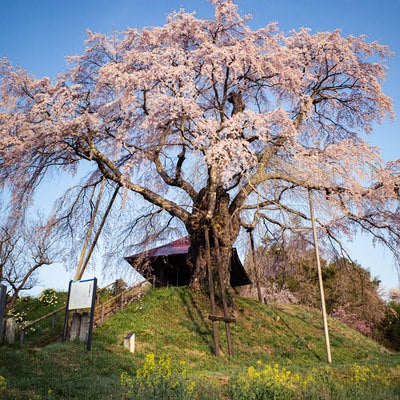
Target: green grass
(173, 323)
(30, 309)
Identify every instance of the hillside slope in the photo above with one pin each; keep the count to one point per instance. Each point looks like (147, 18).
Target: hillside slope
(173, 323)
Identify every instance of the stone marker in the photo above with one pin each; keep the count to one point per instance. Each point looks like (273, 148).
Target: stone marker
(11, 327)
(129, 342)
(75, 326)
(84, 328)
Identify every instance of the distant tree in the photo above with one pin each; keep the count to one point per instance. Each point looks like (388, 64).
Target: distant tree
(350, 293)
(287, 265)
(354, 296)
(215, 125)
(389, 328)
(394, 295)
(24, 249)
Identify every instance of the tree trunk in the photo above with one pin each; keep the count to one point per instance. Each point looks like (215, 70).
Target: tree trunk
(211, 258)
(223, 229)
(13, 300)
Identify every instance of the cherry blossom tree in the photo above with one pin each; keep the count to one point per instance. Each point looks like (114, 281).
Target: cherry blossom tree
(216, 125)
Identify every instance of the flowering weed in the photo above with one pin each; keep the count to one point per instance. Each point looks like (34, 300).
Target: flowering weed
(268, 382)
(264, 382)
(159, 378)
(3, 384)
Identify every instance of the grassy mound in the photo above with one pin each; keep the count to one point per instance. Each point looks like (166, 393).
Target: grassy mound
(173, 325)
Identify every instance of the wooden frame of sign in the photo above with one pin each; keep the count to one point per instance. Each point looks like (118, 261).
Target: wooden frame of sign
(81, 295)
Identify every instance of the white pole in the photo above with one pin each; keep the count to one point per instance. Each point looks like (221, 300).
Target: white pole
(321, 284)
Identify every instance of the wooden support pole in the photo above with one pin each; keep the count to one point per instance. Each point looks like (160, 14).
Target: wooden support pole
(121, 302)
(217, 349)
(102, 313)
(79, 271)
(253, 258)
(96, 238)
(221, 318)
(222, 282)
(21, 336)
(321, 283)
(53, 321)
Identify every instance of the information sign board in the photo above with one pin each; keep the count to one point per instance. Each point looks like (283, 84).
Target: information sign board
(81, 294)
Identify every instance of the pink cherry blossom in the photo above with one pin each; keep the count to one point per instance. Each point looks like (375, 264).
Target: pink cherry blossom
(217, 124)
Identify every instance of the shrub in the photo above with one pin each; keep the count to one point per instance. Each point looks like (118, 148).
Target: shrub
(352, 320)
(19, 316)
(48, 297)
(389, 328)
(119, 286)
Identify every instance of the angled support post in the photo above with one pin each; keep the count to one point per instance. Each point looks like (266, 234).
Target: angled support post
(321, 283)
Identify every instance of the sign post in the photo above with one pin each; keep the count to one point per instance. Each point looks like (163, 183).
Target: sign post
(81, 295)
(3, 300)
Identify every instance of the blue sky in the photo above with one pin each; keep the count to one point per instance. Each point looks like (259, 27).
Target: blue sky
(38, 34)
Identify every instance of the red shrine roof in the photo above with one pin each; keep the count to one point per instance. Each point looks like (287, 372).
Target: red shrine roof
(176, 252)
(180, 246)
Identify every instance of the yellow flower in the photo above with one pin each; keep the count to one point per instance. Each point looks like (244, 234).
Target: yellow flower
(3, 384)
(126, 380)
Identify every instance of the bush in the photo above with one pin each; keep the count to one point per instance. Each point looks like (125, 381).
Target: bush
(48, 297)
(119, 286)
(352, 320)
(389, 328)
(19, 316)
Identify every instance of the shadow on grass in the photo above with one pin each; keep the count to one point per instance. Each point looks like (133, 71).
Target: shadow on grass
(296, 334)
(200, 325)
